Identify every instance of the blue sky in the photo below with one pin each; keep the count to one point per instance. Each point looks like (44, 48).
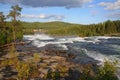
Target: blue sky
(72, 11)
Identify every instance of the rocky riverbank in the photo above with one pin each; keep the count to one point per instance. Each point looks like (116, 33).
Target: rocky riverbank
(39, 62)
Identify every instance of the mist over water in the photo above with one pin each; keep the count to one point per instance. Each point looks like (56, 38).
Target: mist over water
(88, 49)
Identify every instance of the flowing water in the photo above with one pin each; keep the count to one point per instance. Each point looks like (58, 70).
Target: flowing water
(97, 47)
(87, 49)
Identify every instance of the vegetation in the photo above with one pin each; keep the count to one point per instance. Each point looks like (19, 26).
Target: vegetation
(14, 13)
(2, 29)
(23, 70)
(106, 28)
(105, 72)
(29, 27)
(108, 71)
(36, 58)
(62, 28)
(10, 31)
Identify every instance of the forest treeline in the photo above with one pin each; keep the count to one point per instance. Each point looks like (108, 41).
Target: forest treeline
(101, 29)
(62, 28)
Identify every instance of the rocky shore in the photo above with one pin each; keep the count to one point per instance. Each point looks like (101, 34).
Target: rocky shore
(44, 61)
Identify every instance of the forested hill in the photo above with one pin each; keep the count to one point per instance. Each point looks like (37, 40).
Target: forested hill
(46, 25)
(62, 28)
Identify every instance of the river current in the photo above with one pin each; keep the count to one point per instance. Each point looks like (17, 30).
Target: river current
(87, 49)
(99, 48)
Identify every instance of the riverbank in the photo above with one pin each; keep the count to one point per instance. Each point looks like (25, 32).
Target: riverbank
(45, 64)
(42, 55)
(41, 62)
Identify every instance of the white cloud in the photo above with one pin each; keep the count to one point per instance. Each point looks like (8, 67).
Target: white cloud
(91, 6)
(113, 15)
(43, 16)
(48, 3)
(94, 12)
(111, 5)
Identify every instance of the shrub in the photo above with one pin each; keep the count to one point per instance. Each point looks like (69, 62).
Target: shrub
(108, 71)
(23, 70)
(36, 57)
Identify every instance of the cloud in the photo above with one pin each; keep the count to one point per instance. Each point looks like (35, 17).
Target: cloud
(44, 16)
(10, 1)
(111, 5)
(113, 15)
(48, 3)
(91, 6)
(94, 12)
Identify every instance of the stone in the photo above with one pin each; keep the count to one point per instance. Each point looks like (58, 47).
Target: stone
(46, 61)
(1, 76)
(53, 66)
(42, 64)
(44, 70)
(58, 58)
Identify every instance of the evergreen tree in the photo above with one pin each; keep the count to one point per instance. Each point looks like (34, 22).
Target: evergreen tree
(14, 13)
(110, 27)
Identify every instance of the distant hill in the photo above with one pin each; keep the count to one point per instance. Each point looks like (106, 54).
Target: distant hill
(46, 25)
(63, 28)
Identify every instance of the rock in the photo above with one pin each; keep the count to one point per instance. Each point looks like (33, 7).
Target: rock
(36, 78)
(58, 58)
(44, 70)
(53, 66)
(46, 61)
(46, 57)
(27, 59)
(1, 59)
(1, 76)
(42, 64)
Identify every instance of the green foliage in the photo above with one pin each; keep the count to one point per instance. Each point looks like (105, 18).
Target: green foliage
(14, 12)
(106, 28)
(2, 29)
(108, 71)
(36, 57)
(2, 37)
(10, 31)
(61, 28)
(12, 52)
(23, 70)
(12, 61)
(105, 72)
(6, 34)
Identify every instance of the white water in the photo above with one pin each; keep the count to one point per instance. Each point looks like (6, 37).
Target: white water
(99, 48)
(41, 40)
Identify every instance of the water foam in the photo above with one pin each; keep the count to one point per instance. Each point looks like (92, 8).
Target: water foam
(41, 40)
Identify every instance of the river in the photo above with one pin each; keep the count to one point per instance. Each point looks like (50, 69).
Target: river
(87, 49)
